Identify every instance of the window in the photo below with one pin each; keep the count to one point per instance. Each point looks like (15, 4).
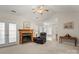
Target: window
(2, 33)
(12, 32)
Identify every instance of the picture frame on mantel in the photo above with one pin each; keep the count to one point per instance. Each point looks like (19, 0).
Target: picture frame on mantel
(69, 25)
(26, 25)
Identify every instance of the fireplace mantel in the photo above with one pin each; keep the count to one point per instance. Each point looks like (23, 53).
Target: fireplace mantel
(22, 31)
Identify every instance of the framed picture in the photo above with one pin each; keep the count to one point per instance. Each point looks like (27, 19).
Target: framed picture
(26, 25)
(69, 25)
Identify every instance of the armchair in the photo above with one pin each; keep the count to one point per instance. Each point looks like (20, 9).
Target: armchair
(41, 39)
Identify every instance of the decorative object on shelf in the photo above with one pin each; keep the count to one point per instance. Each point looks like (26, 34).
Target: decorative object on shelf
(67, 35)
(69, 25)
(40, 9)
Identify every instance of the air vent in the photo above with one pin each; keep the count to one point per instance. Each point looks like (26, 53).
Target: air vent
(13, 11)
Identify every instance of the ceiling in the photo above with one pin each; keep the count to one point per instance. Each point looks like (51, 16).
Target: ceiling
(26, 10)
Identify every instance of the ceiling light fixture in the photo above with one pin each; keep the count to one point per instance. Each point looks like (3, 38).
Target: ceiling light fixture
(40, 9)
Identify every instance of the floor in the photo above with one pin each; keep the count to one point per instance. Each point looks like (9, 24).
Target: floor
(50, 47)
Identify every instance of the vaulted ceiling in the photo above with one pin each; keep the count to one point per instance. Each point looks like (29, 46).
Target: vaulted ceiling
(27, 8)
(25, 11)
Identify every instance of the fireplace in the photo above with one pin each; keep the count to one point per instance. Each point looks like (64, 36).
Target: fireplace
(25, 35)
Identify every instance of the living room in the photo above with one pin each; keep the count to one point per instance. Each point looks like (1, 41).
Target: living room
(54, 21)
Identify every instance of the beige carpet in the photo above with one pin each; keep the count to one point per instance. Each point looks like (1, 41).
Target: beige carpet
(50, 47)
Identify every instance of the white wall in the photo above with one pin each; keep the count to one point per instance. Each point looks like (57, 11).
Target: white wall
(8, 18)
(58, 20)
(67, 17)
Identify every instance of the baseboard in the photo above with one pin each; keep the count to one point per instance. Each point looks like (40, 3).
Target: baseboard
(9, 44)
